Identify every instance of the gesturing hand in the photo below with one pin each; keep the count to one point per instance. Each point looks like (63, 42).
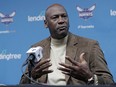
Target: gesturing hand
(78, 70)
(41, 69)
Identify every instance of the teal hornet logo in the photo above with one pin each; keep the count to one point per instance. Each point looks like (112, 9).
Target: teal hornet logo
(86, 13)
(7, 18)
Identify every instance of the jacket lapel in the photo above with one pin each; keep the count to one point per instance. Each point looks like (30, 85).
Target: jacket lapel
(46, 55)
(71, 50)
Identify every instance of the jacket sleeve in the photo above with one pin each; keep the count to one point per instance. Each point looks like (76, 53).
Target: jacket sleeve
(98, 65)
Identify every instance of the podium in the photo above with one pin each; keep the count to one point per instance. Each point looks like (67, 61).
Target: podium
(36, 85)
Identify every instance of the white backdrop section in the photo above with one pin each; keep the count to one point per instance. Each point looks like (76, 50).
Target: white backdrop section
(21, 25)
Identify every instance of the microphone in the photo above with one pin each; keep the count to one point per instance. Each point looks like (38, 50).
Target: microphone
(34, 55)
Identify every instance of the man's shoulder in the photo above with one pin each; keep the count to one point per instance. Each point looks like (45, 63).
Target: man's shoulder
(83, 39)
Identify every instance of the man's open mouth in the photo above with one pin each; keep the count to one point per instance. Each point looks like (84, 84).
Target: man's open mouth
(62, 28)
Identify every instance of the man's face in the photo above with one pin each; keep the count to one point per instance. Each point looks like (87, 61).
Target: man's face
(57, 21)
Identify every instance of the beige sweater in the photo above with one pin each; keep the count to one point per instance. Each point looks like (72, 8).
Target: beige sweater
(57, 55)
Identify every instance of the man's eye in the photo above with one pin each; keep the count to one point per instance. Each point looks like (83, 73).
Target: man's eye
(64, 16)
(55, 17)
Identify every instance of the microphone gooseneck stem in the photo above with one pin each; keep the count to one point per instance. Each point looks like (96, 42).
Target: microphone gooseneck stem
(30, 66)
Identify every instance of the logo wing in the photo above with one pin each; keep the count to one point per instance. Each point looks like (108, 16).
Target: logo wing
(2, 15)
(12, 14)
(79, 9)
(92, 8)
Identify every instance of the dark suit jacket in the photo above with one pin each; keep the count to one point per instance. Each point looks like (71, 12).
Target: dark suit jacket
(75, 46)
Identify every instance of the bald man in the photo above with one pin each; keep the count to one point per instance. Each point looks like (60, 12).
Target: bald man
(68, 59)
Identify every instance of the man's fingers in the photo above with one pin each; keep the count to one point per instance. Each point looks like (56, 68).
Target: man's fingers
(47, 71)
(72, 61)
(45, 66)
(67, 68)
(41, 63)
(64, 69)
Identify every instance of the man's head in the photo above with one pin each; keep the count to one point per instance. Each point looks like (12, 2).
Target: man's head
(57, 21)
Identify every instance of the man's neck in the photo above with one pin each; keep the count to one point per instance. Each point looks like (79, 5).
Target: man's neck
(59, 41)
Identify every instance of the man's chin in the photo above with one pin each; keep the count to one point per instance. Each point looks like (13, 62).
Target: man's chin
(63, 32)
(62, 35)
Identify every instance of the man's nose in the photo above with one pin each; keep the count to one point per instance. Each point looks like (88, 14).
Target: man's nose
(60, 20)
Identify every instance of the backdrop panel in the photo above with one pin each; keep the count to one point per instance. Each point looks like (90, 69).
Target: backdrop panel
(21, 25)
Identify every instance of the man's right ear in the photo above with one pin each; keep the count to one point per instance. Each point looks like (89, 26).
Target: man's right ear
(45, 24)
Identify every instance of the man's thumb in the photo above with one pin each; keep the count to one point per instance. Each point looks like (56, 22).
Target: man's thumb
(81, 59)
